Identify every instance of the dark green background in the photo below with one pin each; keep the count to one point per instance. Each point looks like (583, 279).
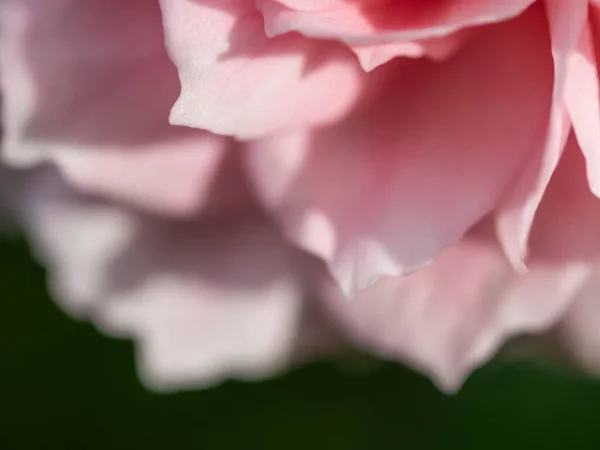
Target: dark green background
(64, 386)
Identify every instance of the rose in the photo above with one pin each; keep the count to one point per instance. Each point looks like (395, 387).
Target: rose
(367, 149)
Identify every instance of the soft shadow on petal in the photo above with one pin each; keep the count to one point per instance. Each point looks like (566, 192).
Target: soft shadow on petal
(427, 155)
(568, 218)
(384, 21)
(583, 96)
(578, 333)
(565, 232)
(516, 213)
(372, 56)
(208, 298)
(451, 317)
(237, 81)
(88, 86)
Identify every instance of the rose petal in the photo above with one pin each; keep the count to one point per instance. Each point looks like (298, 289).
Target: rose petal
(578, 332)
(452, 316)
(367, 22)
(189, 292)
(515, 216)
(237, 81)
(565, 231)
(372, 56)
(568, 218)
(88, 86)
(583, 96)
(420, 163)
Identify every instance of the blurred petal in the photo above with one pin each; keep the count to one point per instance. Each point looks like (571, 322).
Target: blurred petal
(189, 292)
(578, 332)
(426, 157)
(88, 85)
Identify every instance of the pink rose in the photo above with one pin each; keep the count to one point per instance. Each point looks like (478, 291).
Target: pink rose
(283, 178)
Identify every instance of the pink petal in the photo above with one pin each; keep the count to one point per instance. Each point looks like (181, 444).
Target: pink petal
(515, 217)
(578, 332)
(565, 231)
(568, 218)
(372, 56)
(87, 85)
(583, 97)
(424, 159)
(452, 316)
(368, 22)
(189, 292)
(237, 81)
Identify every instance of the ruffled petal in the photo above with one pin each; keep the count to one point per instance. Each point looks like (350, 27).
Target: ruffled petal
(237, 81)
(189, 292)
(88, 85)
(426, 157)
(451, 317)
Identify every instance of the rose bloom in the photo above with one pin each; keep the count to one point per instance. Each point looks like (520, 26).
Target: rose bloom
(239, 185)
